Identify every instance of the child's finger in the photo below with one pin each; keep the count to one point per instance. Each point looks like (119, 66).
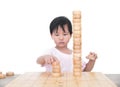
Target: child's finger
(51, 59)
(90, 53)
(95, 55)
(48, 61)
(55, 59)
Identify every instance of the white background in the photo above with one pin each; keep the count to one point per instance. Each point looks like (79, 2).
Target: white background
(24, 32)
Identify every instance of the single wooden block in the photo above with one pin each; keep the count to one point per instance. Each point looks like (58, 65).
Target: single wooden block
(77, 33)
(77, 50)
(2, 76)
(76, 36)
(78, 55)
(77, 63)
(9, 73)
(56, 70)
(76, 24)
(77, 73)
(56, 67)
(77, 69)
(76, 28)
(76, 14)
(56, 74)
(77, 40)
(77, 66)
(76, 58)
(77, 44)
(76, 20)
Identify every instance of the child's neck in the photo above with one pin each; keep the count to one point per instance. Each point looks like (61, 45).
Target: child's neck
(64, 50)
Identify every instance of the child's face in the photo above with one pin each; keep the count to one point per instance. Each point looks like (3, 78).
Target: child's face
(60, 37)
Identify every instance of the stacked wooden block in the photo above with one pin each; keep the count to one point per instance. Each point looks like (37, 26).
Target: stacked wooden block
(2, 76)
(77, 43)
(56, 70)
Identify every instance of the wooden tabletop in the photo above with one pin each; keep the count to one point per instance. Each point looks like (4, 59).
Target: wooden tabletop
(43, 79)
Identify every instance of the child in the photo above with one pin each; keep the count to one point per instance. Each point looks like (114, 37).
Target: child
(61, 33)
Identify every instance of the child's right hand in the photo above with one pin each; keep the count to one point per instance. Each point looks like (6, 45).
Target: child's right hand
(49, 59)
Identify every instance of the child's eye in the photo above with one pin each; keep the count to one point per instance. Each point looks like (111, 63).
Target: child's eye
(56, 34)
(65, 34)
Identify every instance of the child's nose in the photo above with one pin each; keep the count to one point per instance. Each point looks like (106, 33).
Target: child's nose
(61, 37)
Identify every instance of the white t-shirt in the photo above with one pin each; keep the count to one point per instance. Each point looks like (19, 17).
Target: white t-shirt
(66, 61)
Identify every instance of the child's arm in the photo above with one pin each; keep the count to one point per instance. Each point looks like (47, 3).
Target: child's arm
(46, 59)
(92, 58)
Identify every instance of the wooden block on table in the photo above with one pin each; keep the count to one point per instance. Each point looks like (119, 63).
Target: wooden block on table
(2, 76)
(77, 73)
(9, 73)
(56, 74)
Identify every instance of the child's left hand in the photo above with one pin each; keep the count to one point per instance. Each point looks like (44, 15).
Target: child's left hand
(92, 56)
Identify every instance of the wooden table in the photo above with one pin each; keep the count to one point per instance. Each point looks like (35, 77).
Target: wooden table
(44, 79)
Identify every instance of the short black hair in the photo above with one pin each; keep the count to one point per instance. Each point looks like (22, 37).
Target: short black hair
(60, 21)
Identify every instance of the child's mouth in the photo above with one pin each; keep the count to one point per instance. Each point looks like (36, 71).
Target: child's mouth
(61, 42)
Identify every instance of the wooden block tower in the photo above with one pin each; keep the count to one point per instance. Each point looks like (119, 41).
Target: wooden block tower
(77, 43)
(56, 70)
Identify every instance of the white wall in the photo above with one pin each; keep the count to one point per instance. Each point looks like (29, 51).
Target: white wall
(24, 32)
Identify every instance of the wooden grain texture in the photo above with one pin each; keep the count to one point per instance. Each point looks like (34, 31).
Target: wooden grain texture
(45, 79)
